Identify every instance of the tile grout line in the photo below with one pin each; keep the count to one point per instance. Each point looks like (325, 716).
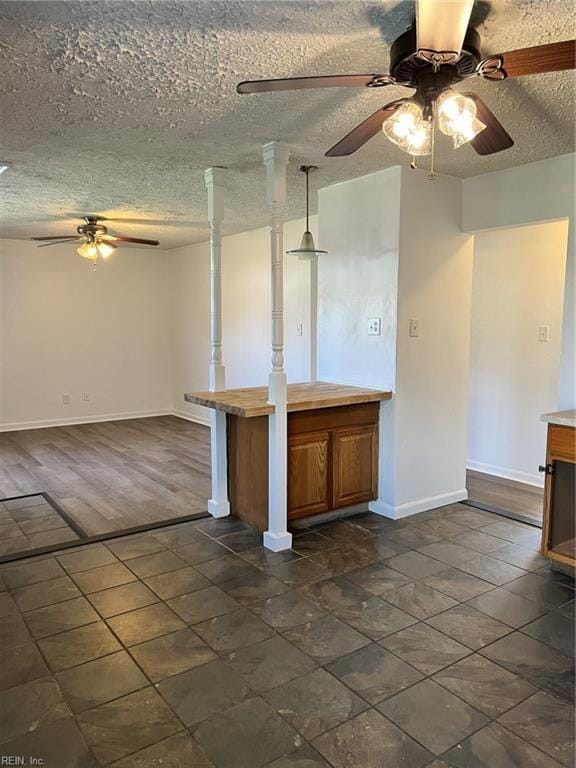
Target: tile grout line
(277, 633)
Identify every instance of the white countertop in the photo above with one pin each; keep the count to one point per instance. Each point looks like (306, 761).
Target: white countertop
(563, 418)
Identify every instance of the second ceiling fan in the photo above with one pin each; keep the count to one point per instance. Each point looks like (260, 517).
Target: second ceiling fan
(439, 51)
(94, 238)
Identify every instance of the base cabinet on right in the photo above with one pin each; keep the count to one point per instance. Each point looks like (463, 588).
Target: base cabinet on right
(559, 522)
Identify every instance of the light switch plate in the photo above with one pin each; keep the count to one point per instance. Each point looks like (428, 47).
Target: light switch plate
(414, 328)
(374, 326)
(544, 333)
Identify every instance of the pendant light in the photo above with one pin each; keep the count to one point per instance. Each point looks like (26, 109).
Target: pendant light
(307, 247)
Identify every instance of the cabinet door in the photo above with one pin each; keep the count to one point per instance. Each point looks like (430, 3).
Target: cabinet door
(355, 457)
(308, 476)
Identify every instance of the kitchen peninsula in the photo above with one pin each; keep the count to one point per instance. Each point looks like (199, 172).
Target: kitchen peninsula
(332, 450)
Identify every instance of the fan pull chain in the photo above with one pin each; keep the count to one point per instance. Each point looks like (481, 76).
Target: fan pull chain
(432, 174)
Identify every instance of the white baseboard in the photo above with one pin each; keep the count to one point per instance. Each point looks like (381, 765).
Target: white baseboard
(69, 422)
(413, 507)
(204, 420)
(18, 426)
(527, 478)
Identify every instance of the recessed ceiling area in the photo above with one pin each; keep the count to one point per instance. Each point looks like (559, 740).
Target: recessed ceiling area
(116, 108)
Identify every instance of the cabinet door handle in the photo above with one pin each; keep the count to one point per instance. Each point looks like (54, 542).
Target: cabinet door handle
(548, 469)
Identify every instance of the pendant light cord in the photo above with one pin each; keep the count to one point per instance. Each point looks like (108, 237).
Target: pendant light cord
(307, 192)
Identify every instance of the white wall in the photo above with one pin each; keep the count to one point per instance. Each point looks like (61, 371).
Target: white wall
(518, 285)
(435, 284)
(136, 334)
(246, 320)
(65, 329)
(358, 279)
(537, 192)
(397, 252)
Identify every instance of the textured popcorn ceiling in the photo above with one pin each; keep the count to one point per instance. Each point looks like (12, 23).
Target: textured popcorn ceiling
(118, 107)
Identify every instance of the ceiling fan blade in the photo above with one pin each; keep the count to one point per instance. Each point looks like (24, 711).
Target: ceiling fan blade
(157, 222)
(494, 138)
(116, 239)
(441, 24)
(363, 132)
(553, 57)
(56, 237)
(326, 81)
(60, 242)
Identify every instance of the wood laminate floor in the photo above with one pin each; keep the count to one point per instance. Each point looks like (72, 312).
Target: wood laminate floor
(112, 475)
(507, 495)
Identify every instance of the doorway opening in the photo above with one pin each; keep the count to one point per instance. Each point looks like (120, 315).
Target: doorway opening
(515, 346)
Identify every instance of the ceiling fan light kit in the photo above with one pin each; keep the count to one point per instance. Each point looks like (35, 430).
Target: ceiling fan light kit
(438, 52)
(95, 240)
(457, 117)
(92, 249)
(409, 130)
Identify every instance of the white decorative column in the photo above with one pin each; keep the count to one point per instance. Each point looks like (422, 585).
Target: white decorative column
(218, 505)
(314, 317)
(277, 538)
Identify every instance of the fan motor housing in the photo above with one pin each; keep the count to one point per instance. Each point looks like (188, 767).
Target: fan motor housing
(406, 65)
(92, 227)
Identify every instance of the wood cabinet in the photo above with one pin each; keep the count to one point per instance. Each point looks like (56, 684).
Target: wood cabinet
(332, 469)
(332, 461)
(354, 467)
(332, 454)
(558, 527)
(308, 474)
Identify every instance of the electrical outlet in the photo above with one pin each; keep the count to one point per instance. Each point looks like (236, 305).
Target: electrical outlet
(374, 326)
(414, 328)
(298, 329)
(86, 397)
(544, 333)
(66, 399)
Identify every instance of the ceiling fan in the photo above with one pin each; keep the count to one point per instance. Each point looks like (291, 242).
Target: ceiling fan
(439, 51)
(96, 242)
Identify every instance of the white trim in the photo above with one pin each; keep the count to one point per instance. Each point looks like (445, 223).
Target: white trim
(277, 542)
(277, 538)
(69, 422)
(508, 474)
(219, 508)
(196, 418)
(413, 507)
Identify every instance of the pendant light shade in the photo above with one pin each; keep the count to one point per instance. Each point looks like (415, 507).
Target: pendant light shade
(307, 246)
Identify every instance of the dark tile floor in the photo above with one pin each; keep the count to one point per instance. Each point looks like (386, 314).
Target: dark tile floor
(441, 640)
(29, 523)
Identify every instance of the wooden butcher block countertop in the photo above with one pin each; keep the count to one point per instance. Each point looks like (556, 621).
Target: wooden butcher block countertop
(253, 401)
(561, 418)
